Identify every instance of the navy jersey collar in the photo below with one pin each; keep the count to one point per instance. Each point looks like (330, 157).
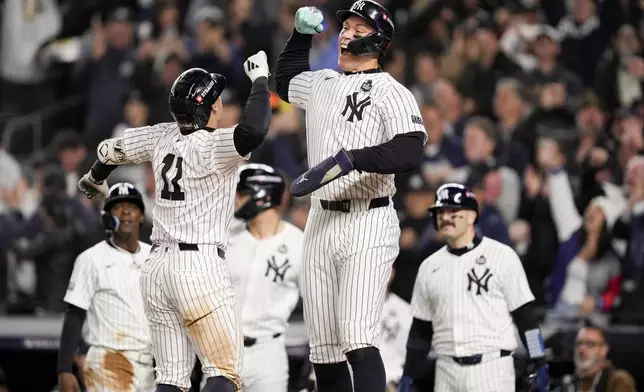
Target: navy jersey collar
(461, 251)
(367, 71)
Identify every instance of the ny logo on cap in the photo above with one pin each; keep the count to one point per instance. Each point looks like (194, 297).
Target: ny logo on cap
(123, 188)
(443, 195)
(358, 6)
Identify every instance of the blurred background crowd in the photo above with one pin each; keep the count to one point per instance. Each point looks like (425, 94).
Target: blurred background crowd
(537, 105)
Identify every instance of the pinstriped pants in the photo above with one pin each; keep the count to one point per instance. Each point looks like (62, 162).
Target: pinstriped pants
(189, 302)
(346, 266)
(493, 376)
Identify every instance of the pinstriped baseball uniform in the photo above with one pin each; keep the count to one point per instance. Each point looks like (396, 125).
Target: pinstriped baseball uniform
(266, 275)
(187, 293)
(468, 300)
(105, 283)
(348, 256)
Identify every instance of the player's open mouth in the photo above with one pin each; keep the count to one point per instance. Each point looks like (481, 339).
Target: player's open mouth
(343, 49)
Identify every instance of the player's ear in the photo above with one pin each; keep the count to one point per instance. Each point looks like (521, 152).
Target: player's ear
(471, 217)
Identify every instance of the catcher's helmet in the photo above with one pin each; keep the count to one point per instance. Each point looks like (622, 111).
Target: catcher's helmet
(379, 18)
(265, 185)
(192, 95)
(122, 191)
(453, 196)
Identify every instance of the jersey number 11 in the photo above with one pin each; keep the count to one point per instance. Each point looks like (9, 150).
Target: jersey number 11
(176, 193)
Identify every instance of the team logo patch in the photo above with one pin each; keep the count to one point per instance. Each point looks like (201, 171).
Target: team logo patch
(366, 86)
(416, 120)
(282, 249)
(481, 260)
(480, 283)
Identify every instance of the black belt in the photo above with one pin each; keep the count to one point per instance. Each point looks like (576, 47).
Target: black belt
(248, 342)
(345, 205)
(476, 359)
(184, 246)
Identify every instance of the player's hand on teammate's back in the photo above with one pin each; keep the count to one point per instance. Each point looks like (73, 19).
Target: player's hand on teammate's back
(326, 171)
(67, 382)
(256, 66)
(90, 187)
(308, 20)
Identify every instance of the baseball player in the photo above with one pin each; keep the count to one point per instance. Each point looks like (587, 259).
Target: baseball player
(362, 127)
(104, 286)
(264, 261)
(466, 297)
(187, 293)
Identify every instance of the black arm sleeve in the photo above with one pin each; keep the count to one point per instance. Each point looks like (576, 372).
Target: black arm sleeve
(418, 345)
(293, 60)
(525, 318)
(70, 338)
(101, 171)
(402, 153)
(252, 128)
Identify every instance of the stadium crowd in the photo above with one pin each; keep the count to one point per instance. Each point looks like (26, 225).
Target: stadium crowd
(537, 105)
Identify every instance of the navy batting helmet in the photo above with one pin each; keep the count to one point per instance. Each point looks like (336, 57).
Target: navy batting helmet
(192, 95)
(377, 42)
(264, 184)
(455, 196)
(122, 191)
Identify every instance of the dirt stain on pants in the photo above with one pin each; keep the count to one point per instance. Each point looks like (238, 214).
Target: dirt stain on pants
(116, 374)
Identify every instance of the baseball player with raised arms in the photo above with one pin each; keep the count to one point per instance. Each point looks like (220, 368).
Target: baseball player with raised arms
(104, 288)
(188, 297)
(362, 127)
(264, 261)
(467, 298)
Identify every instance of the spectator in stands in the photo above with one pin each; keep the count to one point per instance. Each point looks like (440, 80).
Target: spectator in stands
(53, 237)
(105, 70)
(631, 229)
(443, 152)
(155, 81)
(586, 277)
(10, 220)
(414, 221)
(210, 49)
(621, 71)
(593, 370)
(585, 33)
(70, 154)
(550, 75)
(485, 181)
(487, 65)
(425, 76)
(452, 108)
(11, 179)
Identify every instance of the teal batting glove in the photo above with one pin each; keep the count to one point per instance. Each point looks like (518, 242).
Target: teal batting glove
(308, 20)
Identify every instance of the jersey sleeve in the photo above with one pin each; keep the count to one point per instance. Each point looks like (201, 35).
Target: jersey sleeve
(400, 112)
(139, 143)
(514, 282)
(420, 303)
(83, 283)
(299, 89)
(219, 150)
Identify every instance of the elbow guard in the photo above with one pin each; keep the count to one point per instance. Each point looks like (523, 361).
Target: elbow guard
(110, 152)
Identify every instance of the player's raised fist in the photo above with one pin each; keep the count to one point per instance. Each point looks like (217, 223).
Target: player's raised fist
(90, 187)
(308, 20)
(256, 66)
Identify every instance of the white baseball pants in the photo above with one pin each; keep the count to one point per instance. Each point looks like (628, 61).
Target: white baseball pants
(189, 302)
(346, 266)
(496, 375)
(118, 371)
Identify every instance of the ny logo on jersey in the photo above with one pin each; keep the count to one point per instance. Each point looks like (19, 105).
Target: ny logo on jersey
(279, 271)
(480, 281)
(356, 107)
